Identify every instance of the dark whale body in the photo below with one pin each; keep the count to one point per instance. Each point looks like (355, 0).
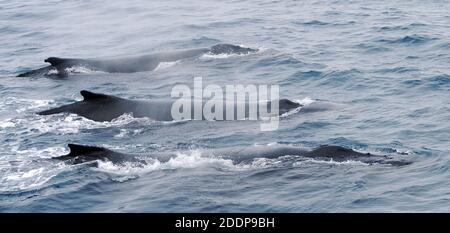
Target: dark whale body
(101, 107)
(132, 64)
(81, 154)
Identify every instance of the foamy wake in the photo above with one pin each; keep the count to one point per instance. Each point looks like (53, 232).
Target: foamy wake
(25, 172)
(195, 160)
(24, 104)
(70, 124)
(190, 159)
(26, 169)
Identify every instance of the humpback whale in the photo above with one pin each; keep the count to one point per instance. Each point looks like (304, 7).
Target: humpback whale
(132, 64)
(81, 154)
(102, 107)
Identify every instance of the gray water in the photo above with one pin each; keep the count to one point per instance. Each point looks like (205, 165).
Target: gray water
(382, 64)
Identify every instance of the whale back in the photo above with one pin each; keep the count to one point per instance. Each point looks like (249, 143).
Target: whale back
(96, 106)
(56, 61)
(91, 96)
(133, 64)
(286, 105)
(336, 152)
(230, 49)
(82, 153)
(76, 150)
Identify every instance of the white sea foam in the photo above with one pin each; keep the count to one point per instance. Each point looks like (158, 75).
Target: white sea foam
(81, 70)
(75, 70)
(305, 101)
(29, 178)
(24, 175)
(124, 133)
(38, 153)
(165, 65)
(24, 104)
(28, 175)
(182, 160)
(7, 123)
(191, 159)
(68, 124)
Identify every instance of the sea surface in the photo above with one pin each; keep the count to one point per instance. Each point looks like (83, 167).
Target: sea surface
(383, 65)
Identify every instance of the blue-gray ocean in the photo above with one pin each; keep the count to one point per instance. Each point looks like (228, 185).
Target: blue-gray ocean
(384, 65)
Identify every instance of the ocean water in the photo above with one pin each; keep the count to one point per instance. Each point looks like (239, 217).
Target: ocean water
(383, 65)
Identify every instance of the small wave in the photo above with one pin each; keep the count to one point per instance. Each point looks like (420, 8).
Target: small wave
(439, 81)
(315, 23)
(308, 74)
(445, 45)
(372, 48)
(394, 28)
(412, 82)
(323, 23)
(413, 39)
(398, 70)
(281, 60)
(436, 82)
(340, 77)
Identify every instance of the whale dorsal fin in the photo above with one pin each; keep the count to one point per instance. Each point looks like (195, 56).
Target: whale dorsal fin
(55, 61)
(288, 103)
(76, 150)
(90, 96)
(81, 153)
